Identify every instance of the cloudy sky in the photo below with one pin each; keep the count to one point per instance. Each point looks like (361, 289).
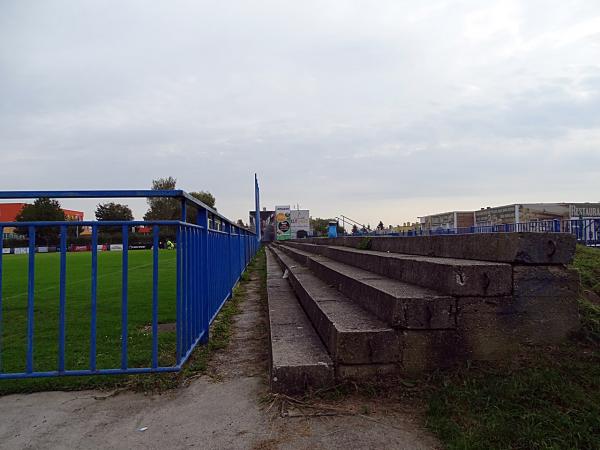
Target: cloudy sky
(376, 110)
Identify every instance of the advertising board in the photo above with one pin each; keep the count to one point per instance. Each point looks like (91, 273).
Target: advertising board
(283, 225)
(300, 223)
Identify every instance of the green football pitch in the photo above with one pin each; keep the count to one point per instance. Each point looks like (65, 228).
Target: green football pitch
(13, 334)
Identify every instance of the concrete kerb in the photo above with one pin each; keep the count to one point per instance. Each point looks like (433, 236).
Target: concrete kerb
(298, 359)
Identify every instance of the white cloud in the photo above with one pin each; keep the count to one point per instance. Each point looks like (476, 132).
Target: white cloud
(385, 110)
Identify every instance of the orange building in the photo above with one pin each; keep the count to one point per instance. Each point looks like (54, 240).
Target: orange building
(9, 212)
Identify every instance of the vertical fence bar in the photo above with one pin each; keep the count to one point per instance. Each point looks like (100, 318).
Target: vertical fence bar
(190, 249)
(1, 327)
(124, 287)
(186, 277)
(204, 280)
(183, 210)
(178, 312)
(229, 261)
(155, 298)
(30, 299)
(62, 299)
(197, 297)
(184, 281)
(93, 319)
(187, 290)
(190, 274)
(193, 282)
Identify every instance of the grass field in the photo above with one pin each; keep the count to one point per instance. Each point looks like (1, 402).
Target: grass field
(78, 310)
(109, 320)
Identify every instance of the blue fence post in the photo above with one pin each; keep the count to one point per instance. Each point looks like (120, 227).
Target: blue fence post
(257, 221)
(30, 299)
(1, 255)
(178, 294)
(155, 231)
(124, 288)
(183, 210)
(94, 294)
(62, 299)
(228, 262)
(204, 281)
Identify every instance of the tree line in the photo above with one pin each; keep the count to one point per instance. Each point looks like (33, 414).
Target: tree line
(159, 208)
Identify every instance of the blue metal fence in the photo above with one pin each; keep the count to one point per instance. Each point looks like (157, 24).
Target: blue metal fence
(211, 256)
(587, 231)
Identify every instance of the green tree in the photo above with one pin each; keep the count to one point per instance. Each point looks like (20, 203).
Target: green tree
(162, 208)
(43, 209)
(319, 226)
(205, 197)
(112, 211)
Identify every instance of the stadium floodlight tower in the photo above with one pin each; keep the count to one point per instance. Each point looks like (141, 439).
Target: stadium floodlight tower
(257, 206)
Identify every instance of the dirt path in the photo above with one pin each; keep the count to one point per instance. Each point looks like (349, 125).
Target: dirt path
(227, 409)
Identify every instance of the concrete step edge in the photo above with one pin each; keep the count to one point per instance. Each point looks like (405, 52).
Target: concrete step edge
(450, 276)
(298, 358)
(426, 310)
(351, 334)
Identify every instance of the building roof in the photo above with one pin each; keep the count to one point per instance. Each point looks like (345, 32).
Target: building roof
(444, 213)
(9, 212)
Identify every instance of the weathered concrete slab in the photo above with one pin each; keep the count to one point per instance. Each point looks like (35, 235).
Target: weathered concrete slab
(351, 334)
(451, 276)
(426, 350)
(525, 248)
(367, 372)
(545, 281)
(298, 358)
(545, 297)
(395, 302)
(488, 327)
(492, 328)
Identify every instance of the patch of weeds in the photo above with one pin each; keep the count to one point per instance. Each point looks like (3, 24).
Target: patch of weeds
(587, 263)
(590, 323)
(551, 402)
(365, 243)
(546, 398)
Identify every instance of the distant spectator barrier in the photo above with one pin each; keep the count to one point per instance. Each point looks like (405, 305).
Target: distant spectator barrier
(587, 231)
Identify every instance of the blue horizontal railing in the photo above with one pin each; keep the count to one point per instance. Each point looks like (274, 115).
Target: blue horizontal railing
(587, 231)
(211, 256)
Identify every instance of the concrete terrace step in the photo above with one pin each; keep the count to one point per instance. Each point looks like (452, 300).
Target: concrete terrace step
(521, 248)
(298, 358)
(457, 277)
(397, 303)
(351, 334)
